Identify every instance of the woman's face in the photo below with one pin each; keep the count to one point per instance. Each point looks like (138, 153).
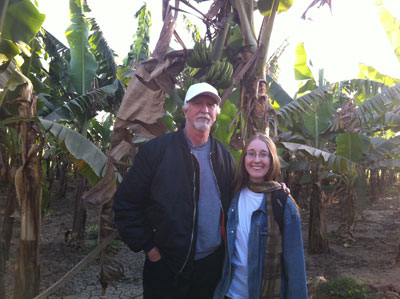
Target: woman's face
(257, 161)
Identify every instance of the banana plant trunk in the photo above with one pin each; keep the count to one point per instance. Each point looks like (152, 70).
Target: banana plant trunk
(6, 235)
(62, 170)
(350, 212)
(397, 186)
(28, 185)
(373, 177)
(79, 219)
(391, 178)
(318, 233)
(381, 182)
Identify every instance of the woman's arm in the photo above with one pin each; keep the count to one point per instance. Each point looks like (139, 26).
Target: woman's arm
(295, 278)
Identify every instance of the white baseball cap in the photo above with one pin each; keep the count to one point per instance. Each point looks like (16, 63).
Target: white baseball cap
(202, 88)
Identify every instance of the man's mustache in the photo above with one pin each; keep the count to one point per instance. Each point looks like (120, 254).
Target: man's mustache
(202, 115)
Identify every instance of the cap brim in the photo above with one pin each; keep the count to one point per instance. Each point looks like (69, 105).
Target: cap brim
(210, 94)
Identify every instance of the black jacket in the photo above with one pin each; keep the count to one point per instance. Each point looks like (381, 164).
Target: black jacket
(156, 203)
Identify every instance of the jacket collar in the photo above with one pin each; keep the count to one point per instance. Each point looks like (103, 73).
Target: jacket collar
(182, 137)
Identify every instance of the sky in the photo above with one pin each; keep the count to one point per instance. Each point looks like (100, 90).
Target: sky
(336, 40)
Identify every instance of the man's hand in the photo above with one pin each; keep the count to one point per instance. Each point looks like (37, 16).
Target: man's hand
(154, 255)
(285, 188)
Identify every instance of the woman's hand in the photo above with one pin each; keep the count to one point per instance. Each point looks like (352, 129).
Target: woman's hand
(285, 188)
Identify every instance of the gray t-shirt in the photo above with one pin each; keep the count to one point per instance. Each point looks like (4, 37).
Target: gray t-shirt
(209, 206)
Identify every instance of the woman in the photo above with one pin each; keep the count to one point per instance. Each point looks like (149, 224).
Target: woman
(265, 257)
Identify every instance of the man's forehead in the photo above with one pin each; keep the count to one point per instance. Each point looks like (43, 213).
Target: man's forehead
(204, 97)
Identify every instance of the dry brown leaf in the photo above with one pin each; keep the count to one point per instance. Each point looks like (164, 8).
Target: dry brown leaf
(120, 151)
(140, 103)
(165, 37)
(104, 190)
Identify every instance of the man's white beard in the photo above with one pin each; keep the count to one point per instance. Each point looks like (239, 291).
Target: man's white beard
(202, 125)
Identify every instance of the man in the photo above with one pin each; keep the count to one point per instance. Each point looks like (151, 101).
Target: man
(172, 203)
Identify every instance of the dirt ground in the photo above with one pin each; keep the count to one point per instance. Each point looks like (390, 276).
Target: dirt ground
(369, 259)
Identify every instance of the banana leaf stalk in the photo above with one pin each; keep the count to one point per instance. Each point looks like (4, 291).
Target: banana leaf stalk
(264, 39)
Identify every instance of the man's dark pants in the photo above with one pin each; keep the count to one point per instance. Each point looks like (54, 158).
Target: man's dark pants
(197, 282)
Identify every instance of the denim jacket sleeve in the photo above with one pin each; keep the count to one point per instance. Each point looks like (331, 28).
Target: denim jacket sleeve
(294, 282)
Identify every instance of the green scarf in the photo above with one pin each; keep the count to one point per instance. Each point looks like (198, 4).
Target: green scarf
(271, 281)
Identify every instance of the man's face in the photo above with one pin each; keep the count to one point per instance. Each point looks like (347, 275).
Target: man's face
(201, 113)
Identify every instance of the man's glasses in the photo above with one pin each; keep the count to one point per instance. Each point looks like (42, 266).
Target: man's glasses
(253, 155)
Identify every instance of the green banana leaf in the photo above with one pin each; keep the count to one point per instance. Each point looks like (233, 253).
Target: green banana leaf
(82, 104)
(8, 50)
(277, 93)
(83, 65)
(12, 76)
(350, 146)
(371, 73)
(89, 159)
(318, 119)
(388, 164)
(22, 21)
(328, 160)
(392, 119)
(360, 89)
(379, 104)
(11, 140)
(265, 6)
(382, 148)
(392, 29)
(300, 108)
(103, 53)
(221, 133)
(301, 69)
(235, 41)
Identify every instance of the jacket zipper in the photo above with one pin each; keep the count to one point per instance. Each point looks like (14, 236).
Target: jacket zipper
(216, 184)
(194, 217)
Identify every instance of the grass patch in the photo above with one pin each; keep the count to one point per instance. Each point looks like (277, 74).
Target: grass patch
(343, 288)
(92, 232)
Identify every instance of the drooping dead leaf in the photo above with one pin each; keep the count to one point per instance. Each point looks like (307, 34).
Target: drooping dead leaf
(111, 270)
(104, 190)
(140, 103)
(167, 31)
(120, 151)
(236, 141)
(349, 120)
(150, 130)
(119, 135)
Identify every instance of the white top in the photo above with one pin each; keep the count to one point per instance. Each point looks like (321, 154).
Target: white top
(248, 203)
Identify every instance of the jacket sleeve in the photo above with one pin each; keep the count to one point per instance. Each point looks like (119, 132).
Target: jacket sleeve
(294, 280)
(131, 202)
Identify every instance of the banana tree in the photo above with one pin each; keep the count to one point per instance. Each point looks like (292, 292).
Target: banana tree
(19, 23)
(343, 136)
(91, 86)
(311, 138)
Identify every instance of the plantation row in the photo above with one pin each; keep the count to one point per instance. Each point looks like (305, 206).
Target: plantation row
(336, 140)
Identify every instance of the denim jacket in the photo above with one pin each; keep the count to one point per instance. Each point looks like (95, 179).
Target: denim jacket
(293, 282)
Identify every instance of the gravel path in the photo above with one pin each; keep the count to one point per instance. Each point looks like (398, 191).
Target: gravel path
(56, 259)
(86, 284)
